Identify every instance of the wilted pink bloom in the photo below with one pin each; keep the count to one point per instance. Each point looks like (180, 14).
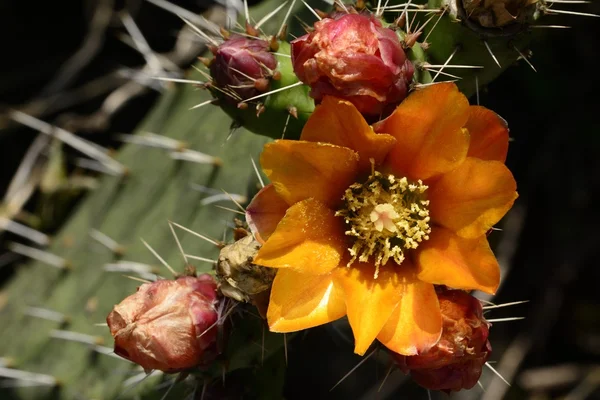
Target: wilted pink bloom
(242, 65)
(456, 361)
(353, 57)
(169, 325)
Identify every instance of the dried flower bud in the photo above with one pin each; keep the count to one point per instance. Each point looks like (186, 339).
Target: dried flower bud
(239, 63)
(352, 56)
(167, 325)
(499, 13)
(456, 361)
(239, 278)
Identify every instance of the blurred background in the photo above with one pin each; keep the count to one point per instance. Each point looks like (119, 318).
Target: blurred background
(83, 66)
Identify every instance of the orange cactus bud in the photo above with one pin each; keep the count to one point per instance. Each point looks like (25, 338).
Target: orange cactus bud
(167, 325)
(456, 361)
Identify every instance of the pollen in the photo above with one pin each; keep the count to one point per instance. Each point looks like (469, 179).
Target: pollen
(386, 216)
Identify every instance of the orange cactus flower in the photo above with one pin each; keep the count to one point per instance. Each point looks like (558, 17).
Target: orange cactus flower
(364, 223)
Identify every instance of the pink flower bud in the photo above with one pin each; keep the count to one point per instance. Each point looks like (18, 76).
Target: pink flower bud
(167, 325)
(353, 57)
(244, 66)
(456, 361)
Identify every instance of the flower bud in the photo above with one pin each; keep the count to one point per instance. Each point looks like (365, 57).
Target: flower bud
(353, 57)
(169, 325)
(242, 67)
(499, 13)
(456, 361)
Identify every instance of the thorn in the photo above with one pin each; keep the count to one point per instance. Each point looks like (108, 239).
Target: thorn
(477, 88)
(341, 5)
(235, 201)
(208, 260)
(481, 386)
(24, 231)
(270, 15)
(451, 66)
(30, 160)
(525, 58)
(354, 368)
(428, 394)
(232, 210)
(97, 166)
(293, 85)
(153, 140)
(177, 80)
(262, 183)
(182, 12)
(378, 10)
(135, 278)
(492, 53)
(514, 303)
(163, 262)
(200, 33)
(435, 25)
(169, 389)
(209, 240)
(39, 255)
(487, 364)
(185, 260)
(287, 15)
(76, 337)
(246, 12)
(550, 26)
(389, 371)
(312, 10)
(107, 242)
(49, 315)
(505, 319)
(28, 377)
(285, 349)
(88, 148)
(196, 157)
(145, 271)
(293, 111)
(567, 12)
(140, 43)
(446, 63)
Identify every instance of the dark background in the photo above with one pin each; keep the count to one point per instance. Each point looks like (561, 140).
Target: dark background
(550, 244)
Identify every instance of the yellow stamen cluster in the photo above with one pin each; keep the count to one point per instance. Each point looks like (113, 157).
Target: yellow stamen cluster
(386, 216)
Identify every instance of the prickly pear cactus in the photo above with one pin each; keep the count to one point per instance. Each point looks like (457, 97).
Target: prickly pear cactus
(55, 342)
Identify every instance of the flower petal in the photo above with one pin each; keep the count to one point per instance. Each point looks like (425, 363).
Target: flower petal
(428, 126)
(264, 212)
(473, 197)
(300, 170)
(300, 301)
(369, 301)
(338, 122)
(489, 134)
(459, 263)
(416, 324)
(309, 239)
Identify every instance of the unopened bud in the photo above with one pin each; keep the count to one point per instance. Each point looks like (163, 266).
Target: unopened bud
(456, 361)
(353, 57)
(168, 325)
(238, 64)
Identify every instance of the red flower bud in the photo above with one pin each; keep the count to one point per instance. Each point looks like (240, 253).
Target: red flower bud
(353, 57)
(167, 325)
(456, 361)
(242, 65)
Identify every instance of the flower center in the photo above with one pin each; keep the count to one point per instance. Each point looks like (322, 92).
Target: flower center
(387, 216)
